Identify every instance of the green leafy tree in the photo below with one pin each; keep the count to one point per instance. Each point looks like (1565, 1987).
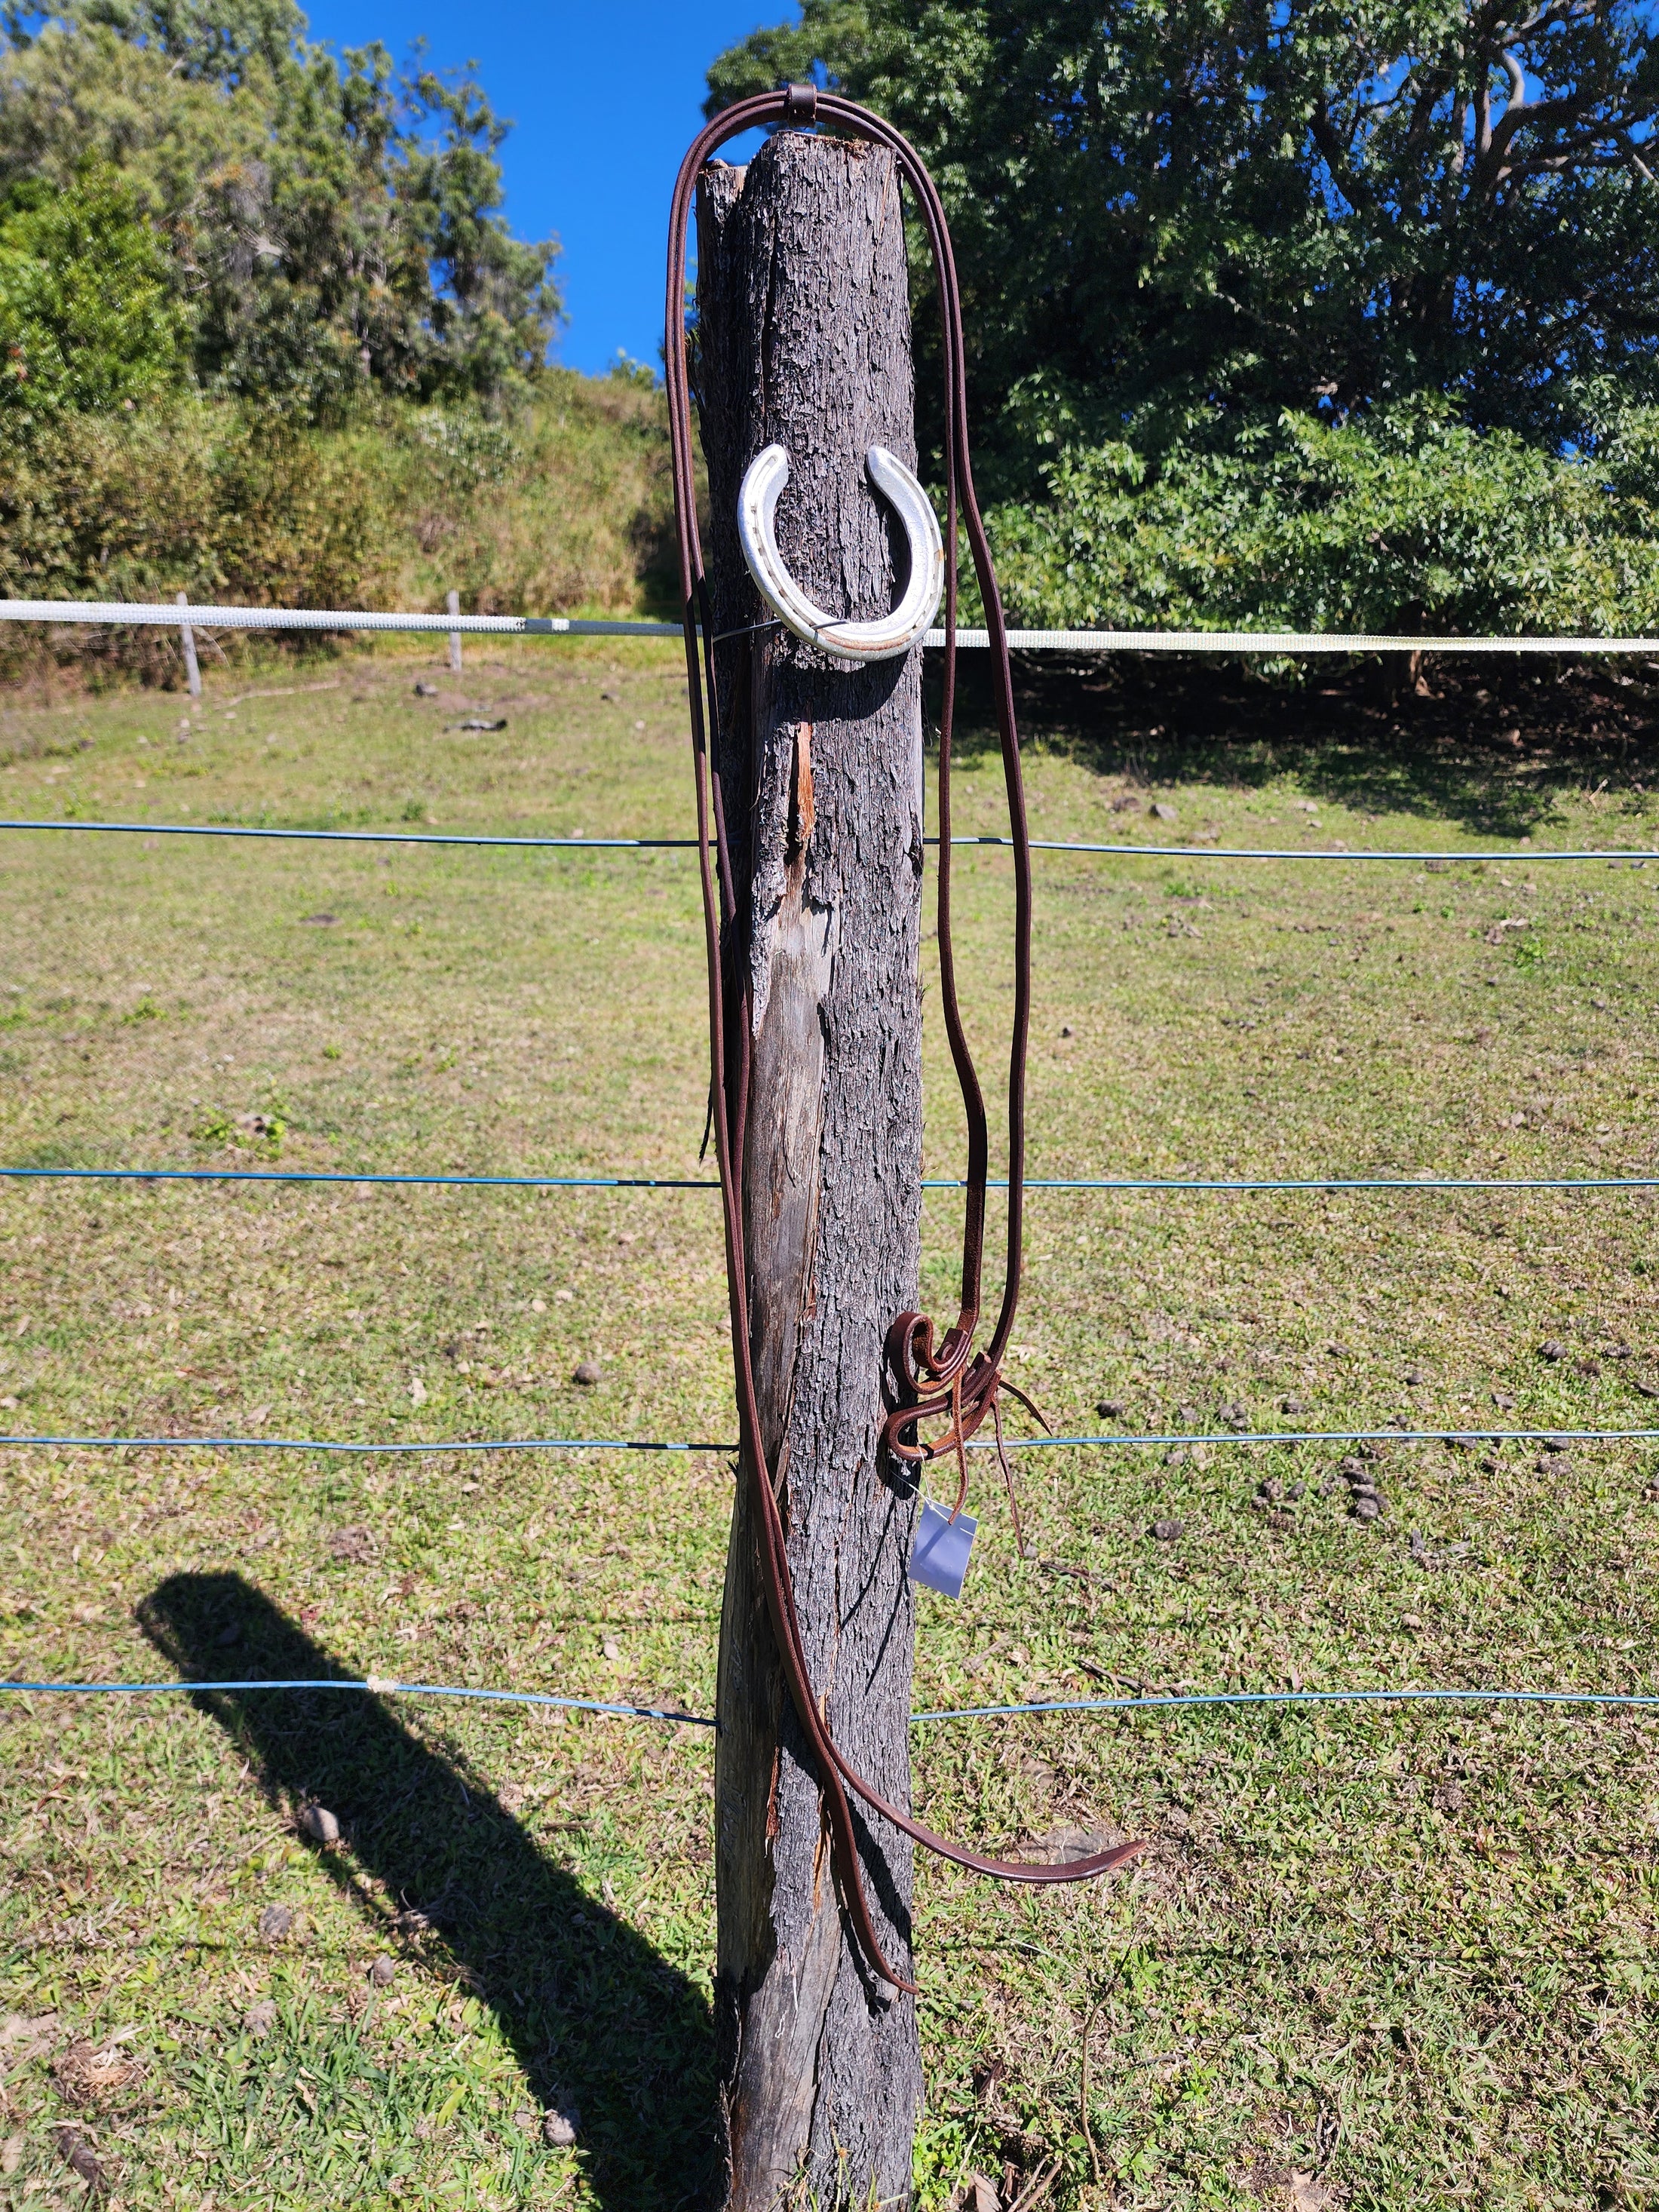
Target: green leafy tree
(88, 321)
(215, 43)
(1224, 207)
(333, 227)
(1286, 311)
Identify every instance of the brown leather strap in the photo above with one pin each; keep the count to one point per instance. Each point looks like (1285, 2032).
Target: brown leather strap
(946, 1381)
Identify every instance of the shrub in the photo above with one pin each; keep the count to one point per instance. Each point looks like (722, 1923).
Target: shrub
(566, 505)
(561, 505)
(223, 502)
(1406, 521)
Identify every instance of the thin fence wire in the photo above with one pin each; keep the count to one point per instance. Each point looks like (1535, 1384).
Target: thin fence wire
(373, 1683)
(1194, 1185)
(1231, 642)
(1470, 1433)
(1173, 1698)
(356, 1448)
(377, 1686)
(361, 836)
(1447, 856)
(307, 1176)
(171, 615)
(1227, 641)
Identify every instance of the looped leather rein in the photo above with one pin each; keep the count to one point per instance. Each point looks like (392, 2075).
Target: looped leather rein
(947, 1381)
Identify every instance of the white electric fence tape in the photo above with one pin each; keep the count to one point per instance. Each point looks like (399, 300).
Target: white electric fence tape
(169, 615)
(143, 614)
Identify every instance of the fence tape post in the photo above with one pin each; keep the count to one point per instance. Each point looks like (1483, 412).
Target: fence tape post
(452, 603)
(187, 639)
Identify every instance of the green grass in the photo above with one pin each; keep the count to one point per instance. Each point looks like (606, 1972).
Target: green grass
(1374, 1957)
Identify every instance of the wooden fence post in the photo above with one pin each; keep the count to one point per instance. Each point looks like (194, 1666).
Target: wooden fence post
(804, 337)
(187, 638)
(453, 606)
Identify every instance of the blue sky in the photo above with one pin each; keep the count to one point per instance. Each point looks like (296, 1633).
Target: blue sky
(605, 98)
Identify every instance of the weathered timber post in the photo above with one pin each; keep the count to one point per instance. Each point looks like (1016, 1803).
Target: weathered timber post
(804, 338)
(187, 639)
(453, 606)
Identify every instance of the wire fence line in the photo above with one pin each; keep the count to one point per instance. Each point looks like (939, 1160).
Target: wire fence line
(243, 619)
(436, 1181)
(1441, 856)
(174, 614)
(1164, 1701)
(1199, 1186)
(1162, 1439)
(1076, 642)
(1437, 856)
(360, 836)
(356, 1448)
(1469, 1433)
(373, 1685)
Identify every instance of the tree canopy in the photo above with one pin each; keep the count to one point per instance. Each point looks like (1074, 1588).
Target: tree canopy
(1175, 212)
(87, 318)
(324, 226)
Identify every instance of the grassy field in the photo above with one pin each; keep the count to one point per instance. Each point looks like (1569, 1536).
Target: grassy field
(1374, 1957)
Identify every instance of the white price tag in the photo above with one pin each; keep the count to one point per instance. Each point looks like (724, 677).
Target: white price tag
(939, 1557)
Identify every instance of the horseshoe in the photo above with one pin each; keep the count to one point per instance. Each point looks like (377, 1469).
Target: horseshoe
(890, 635)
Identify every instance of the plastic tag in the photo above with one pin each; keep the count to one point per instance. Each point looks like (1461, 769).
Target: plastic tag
(939, 1557)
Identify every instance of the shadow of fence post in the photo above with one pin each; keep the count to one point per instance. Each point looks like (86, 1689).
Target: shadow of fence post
(597, 2018)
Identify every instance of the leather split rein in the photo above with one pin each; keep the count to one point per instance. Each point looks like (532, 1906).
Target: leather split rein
(945, 1380)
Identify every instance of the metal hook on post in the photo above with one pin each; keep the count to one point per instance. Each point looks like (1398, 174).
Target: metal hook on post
(891, 635)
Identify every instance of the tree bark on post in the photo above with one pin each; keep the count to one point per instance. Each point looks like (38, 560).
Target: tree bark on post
(804, 339)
